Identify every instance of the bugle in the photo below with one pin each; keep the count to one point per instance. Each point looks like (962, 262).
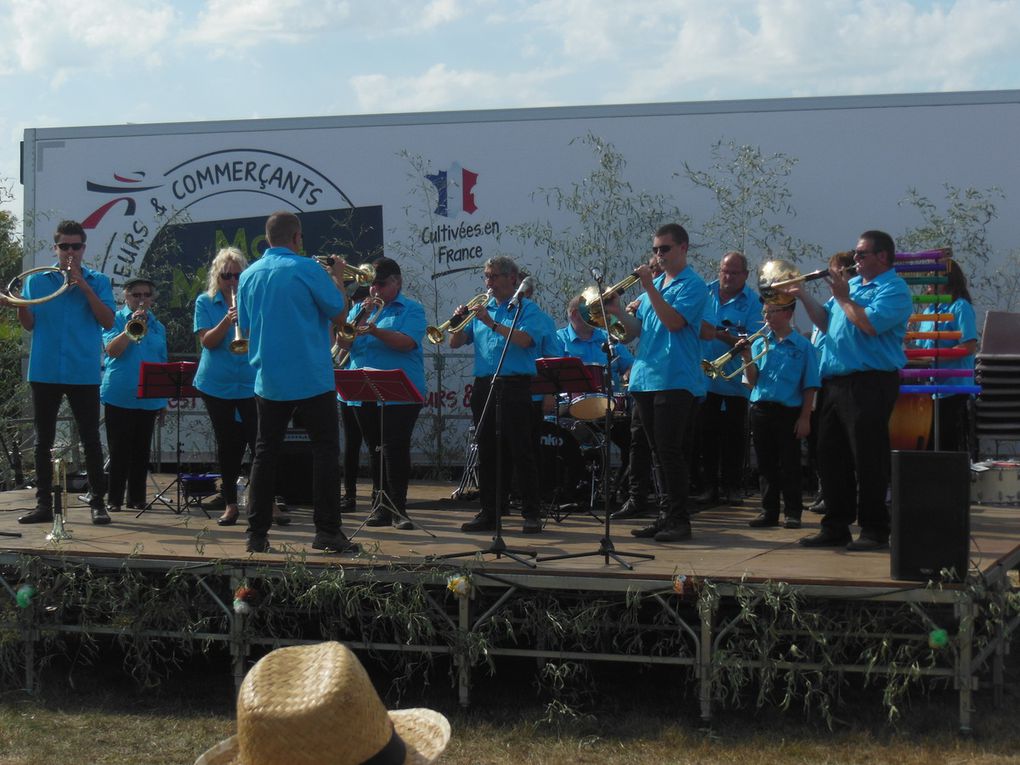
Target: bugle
(12, 294)
(590, 307)
(350, 330)
(716, 368)
(363, 274)
(458, 321)
(239, 344)
(777, 274)
(136, 327)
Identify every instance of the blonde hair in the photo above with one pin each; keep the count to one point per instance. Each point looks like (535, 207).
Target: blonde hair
(225, 256)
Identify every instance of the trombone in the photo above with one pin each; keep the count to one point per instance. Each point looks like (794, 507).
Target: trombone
(363, 274)
(12, 294)
(590, 307)
(348, 331)
(239, 344)
(458, 321)
(136, 327)
(716, 368)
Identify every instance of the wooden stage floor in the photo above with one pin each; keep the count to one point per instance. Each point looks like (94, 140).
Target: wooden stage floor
(724, 547)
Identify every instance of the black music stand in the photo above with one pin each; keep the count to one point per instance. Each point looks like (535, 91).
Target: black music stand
(380, 385)
(169, 380)
(563, 374)
(606, 547)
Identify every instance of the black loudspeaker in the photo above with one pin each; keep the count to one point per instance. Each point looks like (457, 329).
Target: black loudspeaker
(294, 470)
(930, 514)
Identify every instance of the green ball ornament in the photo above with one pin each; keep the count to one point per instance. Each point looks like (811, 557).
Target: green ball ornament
(938, 638)
(24, 595)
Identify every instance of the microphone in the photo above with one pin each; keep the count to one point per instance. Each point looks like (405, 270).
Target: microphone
(523, 287)
(596, 274)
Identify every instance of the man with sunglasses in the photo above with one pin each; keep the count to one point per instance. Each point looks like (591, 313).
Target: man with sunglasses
(665, 379)
(66, 360)
(864, 322)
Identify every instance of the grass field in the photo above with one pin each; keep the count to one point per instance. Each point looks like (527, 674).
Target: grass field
(95, 714)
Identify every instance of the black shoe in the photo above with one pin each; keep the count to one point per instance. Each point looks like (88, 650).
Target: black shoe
(674, 532)
(532, 526)
(630, 509)
(281, 520)
(339, 543)
(708, 497)
(40, 515)
(791, 523)
(818, 506)
(257, 545)
(99, 515)
(765, 520)
(481, 522)
(404, 524)
(867, 544)
(825, 538)
(348, 502)
(227, 520)
(731, 497)
(379, 517)
(115, 508)
(648, 532)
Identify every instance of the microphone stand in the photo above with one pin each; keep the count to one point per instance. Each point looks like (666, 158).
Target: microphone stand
(494, 397)
(606, 549)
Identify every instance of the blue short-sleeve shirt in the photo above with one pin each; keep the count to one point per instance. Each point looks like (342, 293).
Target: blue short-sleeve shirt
(404, 315)
(285, 305)
(488, 344)
(121, 374)
(67, 340)
(221, 372)
(741, 314)
(963, 321)
(788, 369)
(590, 351)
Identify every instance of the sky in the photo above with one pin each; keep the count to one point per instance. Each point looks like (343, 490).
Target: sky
(104, 62)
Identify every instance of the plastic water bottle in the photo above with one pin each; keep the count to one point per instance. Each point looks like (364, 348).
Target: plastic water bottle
(242, 493)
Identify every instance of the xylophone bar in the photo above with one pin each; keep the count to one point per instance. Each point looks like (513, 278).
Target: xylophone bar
(926, 279)
(908, 267)
(916, 317)
(936, 373)
(936, 353)
(933, 298)
(975, 389)
(948, 334)
(942, 252)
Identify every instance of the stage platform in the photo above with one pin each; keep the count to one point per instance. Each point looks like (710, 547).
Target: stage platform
(697, 604)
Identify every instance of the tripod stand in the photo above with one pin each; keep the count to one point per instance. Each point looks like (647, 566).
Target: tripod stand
(494, 397)
(170, 380)
(606, 547)
(380, 386)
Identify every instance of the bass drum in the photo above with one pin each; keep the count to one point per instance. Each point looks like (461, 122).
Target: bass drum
(560, 465)
(910, 424)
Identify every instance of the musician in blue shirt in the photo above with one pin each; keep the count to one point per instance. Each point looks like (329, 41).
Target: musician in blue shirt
(66, 360)
(390, 337)
(286, 303)
(136, 336)
(488, 332)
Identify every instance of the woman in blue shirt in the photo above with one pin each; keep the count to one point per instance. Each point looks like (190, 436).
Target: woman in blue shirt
(225, 379)
(130, 419)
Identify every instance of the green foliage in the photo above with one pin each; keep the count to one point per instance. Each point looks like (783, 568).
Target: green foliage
(13, 388)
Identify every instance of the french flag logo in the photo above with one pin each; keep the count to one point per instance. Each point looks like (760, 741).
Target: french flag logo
(455, 188)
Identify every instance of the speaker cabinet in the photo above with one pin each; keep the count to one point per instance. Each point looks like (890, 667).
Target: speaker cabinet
(930, 514)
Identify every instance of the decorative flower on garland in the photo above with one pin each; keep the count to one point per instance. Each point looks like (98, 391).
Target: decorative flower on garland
(244, 600)
(24, 595)
(679, 584)
(938, 638)
(459, 585)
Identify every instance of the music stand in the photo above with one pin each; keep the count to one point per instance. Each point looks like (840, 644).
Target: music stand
(381, 386)
(563, 374)
(169, 380)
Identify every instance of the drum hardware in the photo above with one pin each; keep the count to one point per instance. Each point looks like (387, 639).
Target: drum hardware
(12, 294)
(467, 489)
(457, 322)
(777, 274)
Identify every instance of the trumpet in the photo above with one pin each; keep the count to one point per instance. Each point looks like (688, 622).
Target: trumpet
(363, 274)
(350, 330)
(777, 274)
(58, 532)
(590, 307)
(136, 327)
(715, 368)
(12, 294)
(458, 321)
(239, 344)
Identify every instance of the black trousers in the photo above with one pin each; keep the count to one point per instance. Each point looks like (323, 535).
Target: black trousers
(232, 436)
(395, 444)
(516, 451)
(129, 439)
(661, 419)
(318, 414)
(84, 403)
(853, 451)
(723, 421)
(778, 451)
(352, 450)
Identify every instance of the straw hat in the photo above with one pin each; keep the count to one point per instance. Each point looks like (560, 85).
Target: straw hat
(315, 705)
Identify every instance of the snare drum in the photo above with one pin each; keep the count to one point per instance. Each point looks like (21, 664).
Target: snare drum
(998, 483)
(592, 406)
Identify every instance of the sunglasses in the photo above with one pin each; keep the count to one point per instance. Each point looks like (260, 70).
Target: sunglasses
(140, 295)
(65, 246)
(230, 276)
(662, 249)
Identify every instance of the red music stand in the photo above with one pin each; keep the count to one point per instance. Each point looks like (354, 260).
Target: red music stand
(169, 380)
(381, 386)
